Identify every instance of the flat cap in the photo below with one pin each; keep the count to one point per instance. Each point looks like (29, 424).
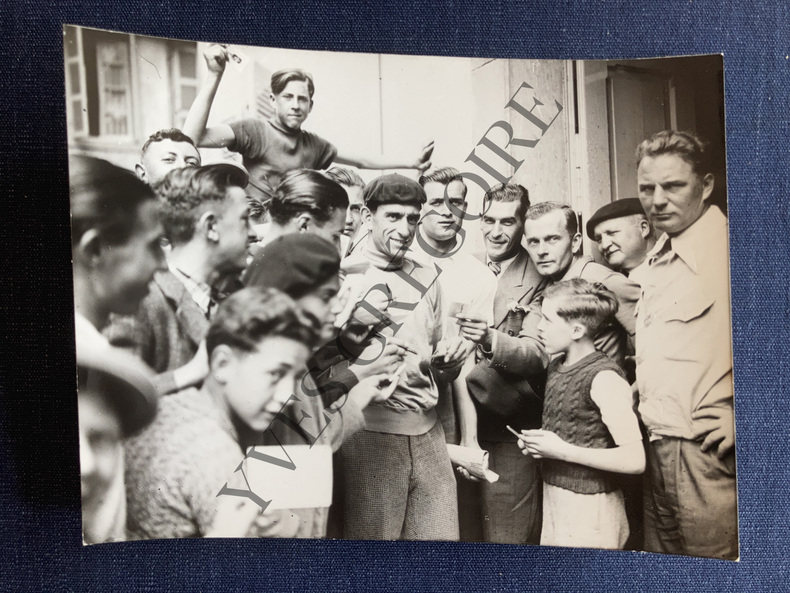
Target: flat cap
(393, 189)
(295, 264)
(617, 209)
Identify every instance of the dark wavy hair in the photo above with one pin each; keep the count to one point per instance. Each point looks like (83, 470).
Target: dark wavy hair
(173, 134)
(104, 197)
(281, 78)
(184, 193)
(508, 193)
(252, 314)
(305, 190)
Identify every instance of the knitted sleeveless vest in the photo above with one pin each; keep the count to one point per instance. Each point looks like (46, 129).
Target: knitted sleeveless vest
(570, 412)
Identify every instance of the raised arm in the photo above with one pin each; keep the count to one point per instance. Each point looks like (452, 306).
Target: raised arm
(195, 125)
(421, 163)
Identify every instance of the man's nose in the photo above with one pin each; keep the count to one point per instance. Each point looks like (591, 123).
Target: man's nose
(496, 230)
(404, 228)
(543, 248)
(659, 197)
(604, 243)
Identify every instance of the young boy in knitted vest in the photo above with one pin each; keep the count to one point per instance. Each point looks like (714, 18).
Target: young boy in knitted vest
(590, 431)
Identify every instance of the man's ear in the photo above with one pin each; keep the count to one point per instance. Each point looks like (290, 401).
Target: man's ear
(141, 174)
(221, 363)
(303, 222)
(576, 243)
(707, 186)
(89, 248)
(644, 228)
(365, 214)
(207, 226)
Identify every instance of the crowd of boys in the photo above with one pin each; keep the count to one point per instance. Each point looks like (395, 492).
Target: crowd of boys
(569, 374)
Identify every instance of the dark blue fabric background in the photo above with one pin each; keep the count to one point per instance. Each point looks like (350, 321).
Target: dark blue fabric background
(39, 521)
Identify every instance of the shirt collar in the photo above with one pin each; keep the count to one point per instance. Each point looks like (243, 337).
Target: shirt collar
(504, 264)
(691, 242)
(199, 291)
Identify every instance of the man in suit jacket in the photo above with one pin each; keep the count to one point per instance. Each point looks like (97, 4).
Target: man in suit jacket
(507, 381)
(206, 219)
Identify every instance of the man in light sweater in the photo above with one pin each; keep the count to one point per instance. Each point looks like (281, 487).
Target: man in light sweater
(398, 476)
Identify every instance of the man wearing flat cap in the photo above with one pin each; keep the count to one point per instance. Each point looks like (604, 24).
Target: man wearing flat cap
(622, 233)
(399, 481)
(116, 400)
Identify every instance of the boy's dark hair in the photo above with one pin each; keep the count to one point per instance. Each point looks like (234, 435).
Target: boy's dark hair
(252, 314)
(508, 193)
(281, 78)
(183, 194)
(591, 304)
(542, 208)
(445, 176)
(345, 176)
(173, 134)
(104, 197)
(690, 147)
(305, 190)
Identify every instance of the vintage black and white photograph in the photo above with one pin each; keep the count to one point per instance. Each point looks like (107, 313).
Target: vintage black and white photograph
(388, 297)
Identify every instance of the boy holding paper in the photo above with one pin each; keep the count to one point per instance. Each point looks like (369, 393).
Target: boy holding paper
(590, 430)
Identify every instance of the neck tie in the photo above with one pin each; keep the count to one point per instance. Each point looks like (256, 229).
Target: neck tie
(495, 267)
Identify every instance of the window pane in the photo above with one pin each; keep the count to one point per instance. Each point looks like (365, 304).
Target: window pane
(188, 94)
(186, 64)
(74, 79)
(77, 124)
(70, 42)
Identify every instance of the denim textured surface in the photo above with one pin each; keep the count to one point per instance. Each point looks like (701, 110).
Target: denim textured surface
(39, 523)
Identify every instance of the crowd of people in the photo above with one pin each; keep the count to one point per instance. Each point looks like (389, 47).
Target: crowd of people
(220, 310)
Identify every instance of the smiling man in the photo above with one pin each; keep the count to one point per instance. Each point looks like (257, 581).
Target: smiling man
(164, 151)
(272, 148)
(684, 354)
(506, 382)
(622, 233)
(399, 481)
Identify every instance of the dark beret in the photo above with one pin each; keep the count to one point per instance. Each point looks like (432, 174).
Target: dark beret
(393, 189)
(616, 209)
(295, 264)
(120, 379)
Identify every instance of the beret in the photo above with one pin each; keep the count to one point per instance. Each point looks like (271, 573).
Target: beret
(122, 380)
(393, 189)
(616, 209)
(295, 263)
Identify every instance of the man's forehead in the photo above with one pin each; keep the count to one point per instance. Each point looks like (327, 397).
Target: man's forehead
(668, 164)
(157, 149)
(434, 189)
(551, 223)
(296, 87)
(613, 224)
(398, 209)
(500, 210)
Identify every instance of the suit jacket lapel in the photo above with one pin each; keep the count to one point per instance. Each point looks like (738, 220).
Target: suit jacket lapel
(519, 282)
(188, 314)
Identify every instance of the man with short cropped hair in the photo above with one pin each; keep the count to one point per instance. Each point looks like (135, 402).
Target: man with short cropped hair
(164, 151)
(554, 245)
(684, 354)
(206, 220)
(272, 148)
(622, 234)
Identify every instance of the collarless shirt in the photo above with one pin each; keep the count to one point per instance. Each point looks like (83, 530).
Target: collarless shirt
(683, 328)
